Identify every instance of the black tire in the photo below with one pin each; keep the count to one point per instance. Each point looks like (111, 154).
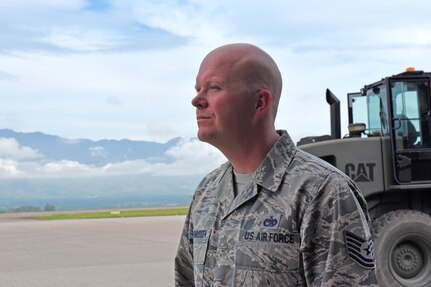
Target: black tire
(402, 242)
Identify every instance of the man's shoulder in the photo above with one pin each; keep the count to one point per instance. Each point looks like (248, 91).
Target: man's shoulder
(301, 159)
(323, 174)
(315, 164)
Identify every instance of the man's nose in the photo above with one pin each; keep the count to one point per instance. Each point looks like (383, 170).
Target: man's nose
(199, 101)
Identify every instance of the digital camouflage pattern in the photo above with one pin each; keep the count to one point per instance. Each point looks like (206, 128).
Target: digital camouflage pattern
(287, 228)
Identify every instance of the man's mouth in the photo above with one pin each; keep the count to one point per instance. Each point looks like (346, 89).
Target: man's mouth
(202, 118)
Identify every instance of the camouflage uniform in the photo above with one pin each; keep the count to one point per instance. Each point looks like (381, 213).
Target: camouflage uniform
(300, 223)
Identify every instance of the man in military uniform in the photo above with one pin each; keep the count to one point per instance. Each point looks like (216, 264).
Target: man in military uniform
(273, 215)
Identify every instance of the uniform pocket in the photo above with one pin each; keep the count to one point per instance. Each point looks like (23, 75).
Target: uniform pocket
(268, 256)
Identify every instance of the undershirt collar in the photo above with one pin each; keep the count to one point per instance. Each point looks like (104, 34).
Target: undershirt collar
(240, 180)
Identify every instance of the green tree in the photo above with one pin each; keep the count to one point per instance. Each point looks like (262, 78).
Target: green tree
(49, 207)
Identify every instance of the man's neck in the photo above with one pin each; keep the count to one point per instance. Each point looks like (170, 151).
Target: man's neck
(246, 157)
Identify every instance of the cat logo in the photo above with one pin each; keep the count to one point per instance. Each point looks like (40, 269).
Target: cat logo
(362, 172)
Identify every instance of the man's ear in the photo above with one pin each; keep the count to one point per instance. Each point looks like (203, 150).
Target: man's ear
(263, 100)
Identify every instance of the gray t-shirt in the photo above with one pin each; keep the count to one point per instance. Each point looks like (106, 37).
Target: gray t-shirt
(241, 180)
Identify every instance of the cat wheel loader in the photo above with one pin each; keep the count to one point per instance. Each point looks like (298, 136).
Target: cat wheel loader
(387, 152)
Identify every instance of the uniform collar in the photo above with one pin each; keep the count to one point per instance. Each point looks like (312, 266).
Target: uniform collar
(271, 171)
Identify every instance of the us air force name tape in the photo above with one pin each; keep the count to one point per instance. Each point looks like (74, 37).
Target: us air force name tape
(276, 237)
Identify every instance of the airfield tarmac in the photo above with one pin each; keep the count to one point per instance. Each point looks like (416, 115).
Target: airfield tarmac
(95, 252)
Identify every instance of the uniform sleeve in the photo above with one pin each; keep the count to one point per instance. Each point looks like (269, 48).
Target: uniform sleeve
(336, 244)
(184, 275)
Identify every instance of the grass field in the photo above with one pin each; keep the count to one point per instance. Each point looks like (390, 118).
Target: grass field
(116, 214)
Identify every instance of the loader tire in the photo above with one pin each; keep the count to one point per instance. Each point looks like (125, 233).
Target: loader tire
(402, 242)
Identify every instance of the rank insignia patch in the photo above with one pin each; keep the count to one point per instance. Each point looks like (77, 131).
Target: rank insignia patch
(360, 250)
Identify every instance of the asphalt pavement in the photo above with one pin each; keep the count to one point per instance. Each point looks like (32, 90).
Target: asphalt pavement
(88, 252)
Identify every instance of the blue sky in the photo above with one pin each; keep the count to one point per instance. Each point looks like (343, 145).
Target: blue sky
(126, 69)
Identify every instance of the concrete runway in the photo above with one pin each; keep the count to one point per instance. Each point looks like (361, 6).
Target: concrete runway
(97, 252)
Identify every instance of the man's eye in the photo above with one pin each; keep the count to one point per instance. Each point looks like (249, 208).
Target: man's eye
(214, 87)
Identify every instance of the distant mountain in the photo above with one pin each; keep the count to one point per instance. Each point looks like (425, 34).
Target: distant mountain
(66, 190)
(96, 153)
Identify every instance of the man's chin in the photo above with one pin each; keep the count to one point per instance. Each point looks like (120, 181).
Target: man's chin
(204, 136)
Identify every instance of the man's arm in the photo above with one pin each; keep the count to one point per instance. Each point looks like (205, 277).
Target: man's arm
(184, 275)
(336, 242)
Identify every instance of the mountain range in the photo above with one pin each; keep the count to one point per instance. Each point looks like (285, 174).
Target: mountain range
(86, 151)
(38, 169)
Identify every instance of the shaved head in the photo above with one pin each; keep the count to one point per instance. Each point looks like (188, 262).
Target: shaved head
(238, 89)
(250, 64)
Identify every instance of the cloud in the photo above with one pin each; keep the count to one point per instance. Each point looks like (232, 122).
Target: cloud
(43, 4)
(76, 27)
(56, 169)
(8, 169)
(10, 149)
(199, 21)
(160, 129)
(113, 101)
(80, 39)
(146, 53)
(8, 77)
(190, 157)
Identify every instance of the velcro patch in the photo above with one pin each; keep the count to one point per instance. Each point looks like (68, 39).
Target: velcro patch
(360, 250)
(272, 221)
(200, 234)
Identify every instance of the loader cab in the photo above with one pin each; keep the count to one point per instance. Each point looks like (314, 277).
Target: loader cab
(399, 107)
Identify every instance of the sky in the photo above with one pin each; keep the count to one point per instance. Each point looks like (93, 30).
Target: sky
(126, 69)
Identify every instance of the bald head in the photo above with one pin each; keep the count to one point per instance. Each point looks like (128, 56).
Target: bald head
(238, 89)
(250, 64)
